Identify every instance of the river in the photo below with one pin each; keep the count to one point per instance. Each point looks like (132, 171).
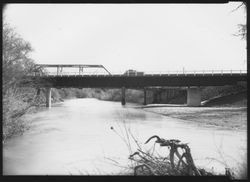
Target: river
(75, 137)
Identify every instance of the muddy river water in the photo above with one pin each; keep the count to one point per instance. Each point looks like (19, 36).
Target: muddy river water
(74, 137)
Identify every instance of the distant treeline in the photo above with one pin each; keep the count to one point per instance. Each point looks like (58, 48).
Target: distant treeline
(135, 96)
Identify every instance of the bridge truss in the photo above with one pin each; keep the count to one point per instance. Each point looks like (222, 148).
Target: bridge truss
(41, 69)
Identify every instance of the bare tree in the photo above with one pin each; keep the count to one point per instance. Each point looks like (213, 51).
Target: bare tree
(16, 63)
(242, 28)
(16, 60)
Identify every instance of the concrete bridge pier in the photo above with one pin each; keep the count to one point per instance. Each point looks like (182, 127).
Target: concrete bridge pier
(48, 97)
(145, 96)
(155, 97)
(193, 96)
(159, 96)
(38, 91)
(123, 96)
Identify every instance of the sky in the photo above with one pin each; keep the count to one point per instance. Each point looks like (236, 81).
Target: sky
(144, 37)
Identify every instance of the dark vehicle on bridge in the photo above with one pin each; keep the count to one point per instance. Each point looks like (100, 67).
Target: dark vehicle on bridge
(133, 73)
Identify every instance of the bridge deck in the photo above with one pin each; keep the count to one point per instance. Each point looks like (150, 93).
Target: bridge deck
(118, 81)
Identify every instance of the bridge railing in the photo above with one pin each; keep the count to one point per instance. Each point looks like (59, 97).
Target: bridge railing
(196, 72)
(175, 73)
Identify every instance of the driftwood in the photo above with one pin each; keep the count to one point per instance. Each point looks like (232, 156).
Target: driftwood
(178, 164)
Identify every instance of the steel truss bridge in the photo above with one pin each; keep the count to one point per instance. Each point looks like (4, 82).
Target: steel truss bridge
(105, 78)
(192, 80)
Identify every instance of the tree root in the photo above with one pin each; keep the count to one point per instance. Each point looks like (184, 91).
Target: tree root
(176, 164)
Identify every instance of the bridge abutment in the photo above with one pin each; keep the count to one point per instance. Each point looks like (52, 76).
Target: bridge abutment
(193, 96)
(48, 97)
(123, 96)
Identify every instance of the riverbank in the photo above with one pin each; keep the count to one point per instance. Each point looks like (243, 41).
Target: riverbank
(225, 117)
(21, 124)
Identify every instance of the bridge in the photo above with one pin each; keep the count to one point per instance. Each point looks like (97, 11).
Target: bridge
(191, 80)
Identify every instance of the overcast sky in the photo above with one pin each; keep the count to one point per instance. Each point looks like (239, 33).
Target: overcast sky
(145, 37)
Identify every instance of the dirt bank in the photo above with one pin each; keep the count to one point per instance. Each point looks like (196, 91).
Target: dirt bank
(226, 117)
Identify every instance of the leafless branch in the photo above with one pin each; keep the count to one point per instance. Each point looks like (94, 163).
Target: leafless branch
(238, 7)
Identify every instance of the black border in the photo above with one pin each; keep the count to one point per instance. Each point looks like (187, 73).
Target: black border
(115, 1)
(35, 178)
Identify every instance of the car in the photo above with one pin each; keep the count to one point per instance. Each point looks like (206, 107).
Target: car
(131, 72)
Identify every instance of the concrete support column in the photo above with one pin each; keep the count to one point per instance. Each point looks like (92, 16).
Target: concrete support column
(167, 94)
(193, 96)
(38, 92)
(123, 96)
(145, 96)
(155, 96)
(159, 97)
(48, 97)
